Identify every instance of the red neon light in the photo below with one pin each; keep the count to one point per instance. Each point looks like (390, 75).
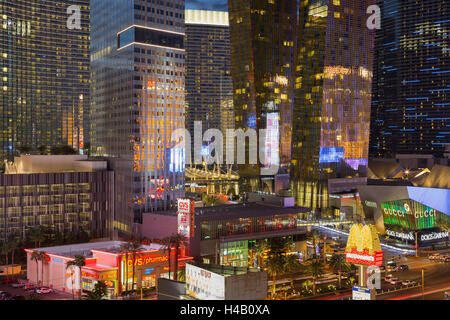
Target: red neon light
(364, 258)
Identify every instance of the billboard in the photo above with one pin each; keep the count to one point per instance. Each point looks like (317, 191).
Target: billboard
(361, 293)
(203, 284)
(412, 215)
(186, 218)
(363, 246)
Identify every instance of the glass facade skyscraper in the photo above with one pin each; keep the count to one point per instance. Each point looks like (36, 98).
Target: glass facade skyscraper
(138, 69)
(44, 74)
(411, 99)
(333, 97)
(263, 39)
(209, 88)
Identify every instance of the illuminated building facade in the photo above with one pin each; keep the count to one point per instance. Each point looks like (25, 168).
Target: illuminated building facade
(263, 39)
(138, 69)
(44, 76)
(333, 97)
(209, 90)
(410, 104)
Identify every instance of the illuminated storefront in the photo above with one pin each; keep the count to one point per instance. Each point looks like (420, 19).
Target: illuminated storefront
(400, 212)
(104, 262)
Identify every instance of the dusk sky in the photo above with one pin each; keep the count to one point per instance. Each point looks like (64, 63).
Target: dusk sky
(219, 5)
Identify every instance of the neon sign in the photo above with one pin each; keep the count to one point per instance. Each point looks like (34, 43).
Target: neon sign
(145, 260)
(411, 214)
(363, 246)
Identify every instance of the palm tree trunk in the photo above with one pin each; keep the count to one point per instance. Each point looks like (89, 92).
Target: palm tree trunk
(169, 251)
(126, 272)
(314, 285)
(37, 272)
(132, 279)
(175, 268)
(7, 265)
(273, 284)
(42, 272)
(340, 283)
(81, 284)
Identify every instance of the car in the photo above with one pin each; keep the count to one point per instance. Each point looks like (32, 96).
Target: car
(43, 290)
(5, 295)
(408, 283)
(391, 268)
(394, 281)
(403, 267)
(434, 256)
(388, 278)
(17, 285)
(443, 257)
(382, 268)
(447, 259)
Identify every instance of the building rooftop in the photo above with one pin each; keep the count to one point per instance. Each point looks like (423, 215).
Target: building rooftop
(224, 270)
(85, 249)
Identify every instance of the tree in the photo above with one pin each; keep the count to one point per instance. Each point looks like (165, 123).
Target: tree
(5, 249)
(135, 247)
(275, 265)
(37, 235)
(261, 248)
(62, 150)
(313, 236)
(339, 264)
(79, 261)
(293, 266)
(179, 240)
(36, 256)
(125, 249)
(24, 149)
(167, 243)
(42, 150)
(99, 292)
(316, 270)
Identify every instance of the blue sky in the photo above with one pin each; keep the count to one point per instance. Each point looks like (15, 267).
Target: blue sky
(219, 5)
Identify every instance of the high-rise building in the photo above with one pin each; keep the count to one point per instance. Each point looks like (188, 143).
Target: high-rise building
(263, 40)
(209, 88)
(44, 74)
(333, 94)
(137, 65)
(410, 104)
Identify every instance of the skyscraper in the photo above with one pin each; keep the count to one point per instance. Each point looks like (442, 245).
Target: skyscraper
(410, 106)
(263, 39)
(333, 94)
(138, 62)
(44, 71)
(209, 88)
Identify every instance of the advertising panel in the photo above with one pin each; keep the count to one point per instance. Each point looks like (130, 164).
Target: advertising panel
(361, 293)
(363, 246)
(412, 215)
(186, 217)
(203, 284)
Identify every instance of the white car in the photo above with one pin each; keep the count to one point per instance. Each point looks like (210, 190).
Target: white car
(44, 290)
(434, 256)
(408, 283)
(394, 280)
(388, 278)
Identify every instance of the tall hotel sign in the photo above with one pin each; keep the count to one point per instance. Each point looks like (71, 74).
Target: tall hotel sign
(363, 246)
(186, 218)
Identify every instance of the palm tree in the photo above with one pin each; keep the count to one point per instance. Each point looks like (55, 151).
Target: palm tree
(261, 248)
(125, 248)
(314, 236)
(44, 258)
(292, 265)
(167, 243)
(339, 264)
(37, 235)
(178, 241)
(79, 262)
(36, 256)
(275, 265)
(5, 249)
(316, 270)
(135, 247)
